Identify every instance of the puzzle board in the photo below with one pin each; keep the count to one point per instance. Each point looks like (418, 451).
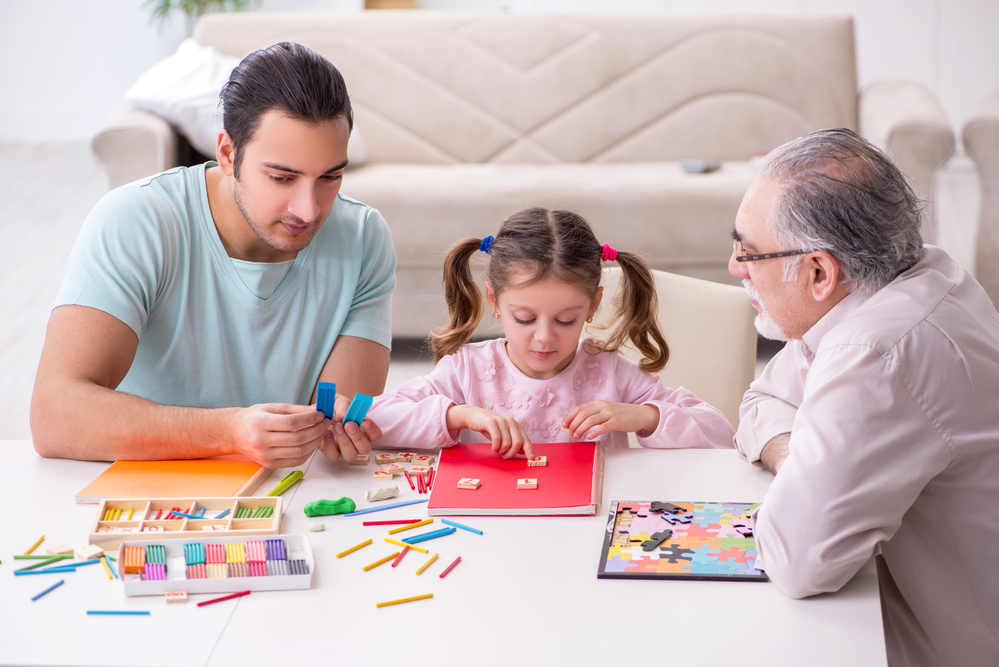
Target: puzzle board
(709, 541)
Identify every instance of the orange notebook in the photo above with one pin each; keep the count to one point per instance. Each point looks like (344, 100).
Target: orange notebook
(219, 477)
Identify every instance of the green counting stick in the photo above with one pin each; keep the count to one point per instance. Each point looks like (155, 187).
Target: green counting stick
(326, 398)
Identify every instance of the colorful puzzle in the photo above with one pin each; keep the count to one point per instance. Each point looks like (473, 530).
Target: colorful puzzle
(681, 540)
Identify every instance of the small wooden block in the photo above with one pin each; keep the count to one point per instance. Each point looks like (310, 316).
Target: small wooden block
(393, 468)
(469, 483)
(384, 458)
(405, 456)
(379, 474)
(527, 483)
(419, 470)
(89, 552)
(176, 596)
(422, 460)
(540, 461)
(361, 460)
(59, 550)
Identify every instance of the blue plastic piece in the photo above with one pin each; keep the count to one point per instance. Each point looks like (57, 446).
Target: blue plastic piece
(358, 408)
(326, 398)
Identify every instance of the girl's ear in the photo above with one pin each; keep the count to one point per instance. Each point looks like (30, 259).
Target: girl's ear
(491, 298)
(596, 303)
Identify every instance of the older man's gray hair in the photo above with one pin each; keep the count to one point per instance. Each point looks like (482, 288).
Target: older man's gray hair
(840, 194)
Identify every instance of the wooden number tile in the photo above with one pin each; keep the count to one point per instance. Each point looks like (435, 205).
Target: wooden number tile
(469, 483)
(527, 483)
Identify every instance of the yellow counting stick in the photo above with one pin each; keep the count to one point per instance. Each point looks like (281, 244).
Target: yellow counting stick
(403, 544)
(427, 564)
(383, 560)
(412, 525)
(106, 568)
(418, 597)
(34, 546)
(353, 548)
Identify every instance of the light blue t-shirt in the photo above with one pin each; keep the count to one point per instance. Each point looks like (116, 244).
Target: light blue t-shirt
(149, 255)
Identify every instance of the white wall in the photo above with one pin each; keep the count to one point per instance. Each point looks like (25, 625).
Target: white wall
(65, 64)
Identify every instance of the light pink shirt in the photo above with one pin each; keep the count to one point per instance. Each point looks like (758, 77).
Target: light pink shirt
(892, 403)
(481, 374)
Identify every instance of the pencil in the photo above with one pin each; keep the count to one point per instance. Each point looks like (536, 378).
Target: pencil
(449, 567)
(427, 564)
(418, 597)
(381, 508)
(353, 548)
(49, 589)
(412, 525)
(383, 560)
(403, 544)
(224, 597)
(34, 546)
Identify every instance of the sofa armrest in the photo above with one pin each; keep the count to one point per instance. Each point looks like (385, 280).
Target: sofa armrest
(981, 140)
(906, 121)
(134, 144)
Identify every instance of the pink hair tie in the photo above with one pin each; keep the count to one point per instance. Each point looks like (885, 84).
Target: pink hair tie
(607, 253)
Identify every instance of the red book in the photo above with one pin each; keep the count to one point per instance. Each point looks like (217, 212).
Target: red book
(569, 485)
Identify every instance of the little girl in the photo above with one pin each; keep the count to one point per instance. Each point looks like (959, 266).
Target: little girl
(542, 383)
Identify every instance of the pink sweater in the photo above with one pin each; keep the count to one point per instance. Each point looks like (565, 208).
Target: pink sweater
(481, 374)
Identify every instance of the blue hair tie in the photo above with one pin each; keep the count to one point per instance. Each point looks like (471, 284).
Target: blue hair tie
(486, 245)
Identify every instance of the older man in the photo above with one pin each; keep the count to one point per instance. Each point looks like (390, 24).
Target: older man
(879, 418)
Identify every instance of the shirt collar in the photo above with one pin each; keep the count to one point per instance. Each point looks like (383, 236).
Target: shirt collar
(838, 313)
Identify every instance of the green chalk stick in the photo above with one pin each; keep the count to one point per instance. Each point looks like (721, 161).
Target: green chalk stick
(324, 507)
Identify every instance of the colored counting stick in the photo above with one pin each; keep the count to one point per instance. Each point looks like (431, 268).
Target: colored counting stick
(358, 409)
(326, 398)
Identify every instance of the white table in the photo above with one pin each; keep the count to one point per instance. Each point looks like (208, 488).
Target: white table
(525, 592)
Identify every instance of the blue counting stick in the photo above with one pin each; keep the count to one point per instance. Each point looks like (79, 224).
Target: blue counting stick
(358, 408)
(326, 398)
(429, 536)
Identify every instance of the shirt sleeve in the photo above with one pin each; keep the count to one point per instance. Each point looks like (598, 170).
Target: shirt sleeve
(685, 421)
(771, 403)
(370, 313)
(120, 256)
(414, 416)
(847, 482)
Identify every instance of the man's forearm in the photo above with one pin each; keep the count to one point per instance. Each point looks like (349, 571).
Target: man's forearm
(774, 452)
(82, 420)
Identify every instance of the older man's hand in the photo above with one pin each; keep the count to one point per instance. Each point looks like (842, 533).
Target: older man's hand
(774, 452)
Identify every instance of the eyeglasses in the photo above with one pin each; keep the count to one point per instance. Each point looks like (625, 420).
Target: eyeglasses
(769, 255)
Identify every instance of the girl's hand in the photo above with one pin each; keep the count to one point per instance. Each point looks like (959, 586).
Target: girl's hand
(504, 432)
(593, 419)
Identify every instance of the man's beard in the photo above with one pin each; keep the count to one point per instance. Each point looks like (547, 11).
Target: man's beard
(764, 323)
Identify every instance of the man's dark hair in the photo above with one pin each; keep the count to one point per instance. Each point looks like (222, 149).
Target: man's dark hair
(285, 76)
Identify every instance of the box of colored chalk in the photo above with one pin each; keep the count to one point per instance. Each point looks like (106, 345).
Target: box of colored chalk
(216, 564)
(183, 518)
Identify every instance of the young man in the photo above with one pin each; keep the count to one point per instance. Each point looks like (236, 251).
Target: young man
(201, 306)
(878, 417)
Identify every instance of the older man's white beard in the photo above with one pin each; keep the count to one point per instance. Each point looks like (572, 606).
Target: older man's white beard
(764, 324)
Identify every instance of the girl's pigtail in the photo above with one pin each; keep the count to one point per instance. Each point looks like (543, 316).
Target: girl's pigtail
(636, 316)
(464, 300)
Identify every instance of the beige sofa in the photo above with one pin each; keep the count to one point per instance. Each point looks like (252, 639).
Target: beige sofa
(981, 140)
(469, 117)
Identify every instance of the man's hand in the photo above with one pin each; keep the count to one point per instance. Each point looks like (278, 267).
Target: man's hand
(504, 432)
(774, 452)
(593, 419)
(350, 439)
(278, 435)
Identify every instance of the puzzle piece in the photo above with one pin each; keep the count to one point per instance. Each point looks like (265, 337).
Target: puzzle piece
(656, 540)
(670, 508)
(675, 553)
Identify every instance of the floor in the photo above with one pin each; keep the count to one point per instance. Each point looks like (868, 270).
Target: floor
(47, 190)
